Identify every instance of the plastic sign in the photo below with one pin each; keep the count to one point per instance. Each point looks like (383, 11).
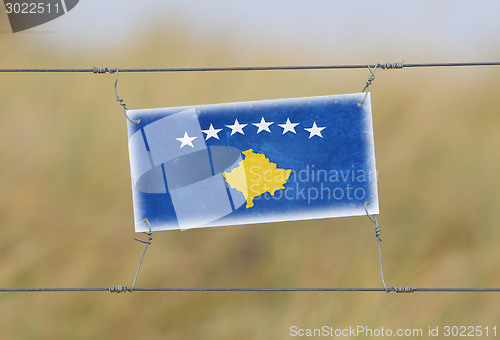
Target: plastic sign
(252, 162)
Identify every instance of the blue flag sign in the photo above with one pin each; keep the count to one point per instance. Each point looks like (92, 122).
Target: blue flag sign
(252, 162)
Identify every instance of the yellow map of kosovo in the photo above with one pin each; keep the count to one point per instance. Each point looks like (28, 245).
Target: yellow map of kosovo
(256, 175)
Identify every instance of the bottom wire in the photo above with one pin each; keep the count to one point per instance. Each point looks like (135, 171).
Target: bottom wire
(173, 289)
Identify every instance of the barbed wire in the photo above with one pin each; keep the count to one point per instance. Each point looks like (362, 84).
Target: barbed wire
(122, 289)
(398, 65)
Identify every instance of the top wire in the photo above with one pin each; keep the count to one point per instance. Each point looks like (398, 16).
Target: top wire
(250, 68)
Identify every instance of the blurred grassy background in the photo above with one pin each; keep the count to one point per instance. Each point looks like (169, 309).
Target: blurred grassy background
(66, 208)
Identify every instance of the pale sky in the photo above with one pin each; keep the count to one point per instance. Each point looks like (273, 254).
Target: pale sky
(451, 30)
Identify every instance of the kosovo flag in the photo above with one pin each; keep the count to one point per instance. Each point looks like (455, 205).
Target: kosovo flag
(252, 162)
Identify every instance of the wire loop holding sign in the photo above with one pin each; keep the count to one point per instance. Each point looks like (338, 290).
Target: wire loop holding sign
(373, 218)
(122, 289)
(147, 242)
(385, 66)
(368, 83)
(377, 234)
(118, 98)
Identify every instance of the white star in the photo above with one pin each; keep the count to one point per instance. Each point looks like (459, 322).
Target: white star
(237, 127)
(211, 132)
(314, 131)
(288, 126)
(263, 125)
(186, 140)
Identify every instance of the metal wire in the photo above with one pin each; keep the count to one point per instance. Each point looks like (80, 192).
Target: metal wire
(123, 289)
(249, 68)
(120, 289)
(173, 289)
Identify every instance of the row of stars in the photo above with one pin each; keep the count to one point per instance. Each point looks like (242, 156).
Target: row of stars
(237, 127)
(288, 126)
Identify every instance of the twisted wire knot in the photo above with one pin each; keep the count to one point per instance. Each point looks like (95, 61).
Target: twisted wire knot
(403, 289)
(103, 70)
(369, 81)
(392, 66)
(118, 289)
(378, 232)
